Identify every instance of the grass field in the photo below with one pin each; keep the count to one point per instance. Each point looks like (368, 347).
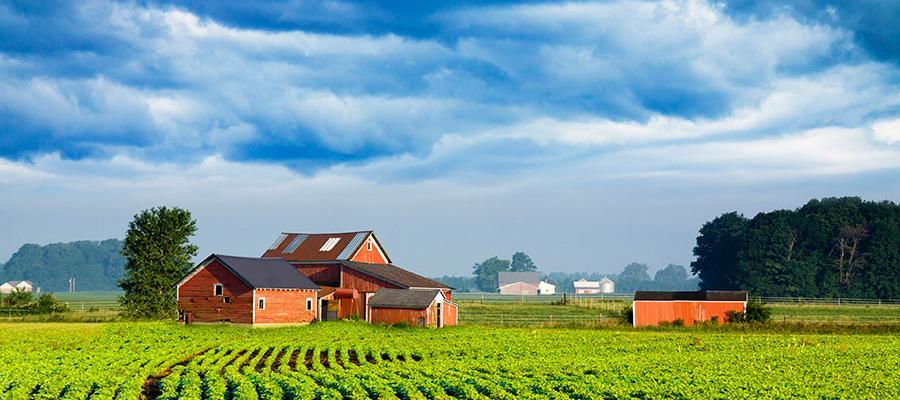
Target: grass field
(353, 360)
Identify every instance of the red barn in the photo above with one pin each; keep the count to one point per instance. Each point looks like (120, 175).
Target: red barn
(246, 291)
(415, 307)
(653, 308)
(350, 267)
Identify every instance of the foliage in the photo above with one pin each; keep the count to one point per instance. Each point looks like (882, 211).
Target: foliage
(25, 302)
(757, 311)
(94, 265)
(355, 360)
(18, 298)
(633, 277)
(834, 247)
(158, 252)
(521, 262)
(486, 271)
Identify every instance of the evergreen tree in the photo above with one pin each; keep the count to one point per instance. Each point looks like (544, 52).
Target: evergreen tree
(158, 253)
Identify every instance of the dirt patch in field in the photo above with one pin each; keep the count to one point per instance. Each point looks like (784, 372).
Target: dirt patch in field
(150, 389)
(308, 360)
(277, 362)
(262, 360)
(292, 362)
(354, 358)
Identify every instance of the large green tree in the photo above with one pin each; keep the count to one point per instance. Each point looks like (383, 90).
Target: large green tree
(633, 277)
(521, 262)
(158, 253)
(486, 271)
(716, 251)
(831, 247)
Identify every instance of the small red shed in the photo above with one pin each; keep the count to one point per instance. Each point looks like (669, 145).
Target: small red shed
(653, 308)
(245, 290)
(416, 307)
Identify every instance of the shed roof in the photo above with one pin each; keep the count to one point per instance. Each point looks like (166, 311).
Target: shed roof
(396, 275)
(416, 299)
(261, 273)
(508, 277)
(700, 295)
(16, 283)
(340, 246)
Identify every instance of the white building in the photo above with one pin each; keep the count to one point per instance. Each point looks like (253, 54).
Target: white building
(584, 286)
(607, 285)
(12, 286)
(546, 288)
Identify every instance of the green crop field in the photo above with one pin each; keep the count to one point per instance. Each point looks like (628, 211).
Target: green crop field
(353, 360)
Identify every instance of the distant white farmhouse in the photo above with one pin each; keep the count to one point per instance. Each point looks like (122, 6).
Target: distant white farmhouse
(546, 288)
(584, 286)
(12, 286)
(520, 283)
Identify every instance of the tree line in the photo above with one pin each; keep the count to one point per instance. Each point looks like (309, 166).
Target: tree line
(635, 276)
(833, 247)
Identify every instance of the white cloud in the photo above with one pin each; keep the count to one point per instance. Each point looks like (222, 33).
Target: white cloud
(887, 131)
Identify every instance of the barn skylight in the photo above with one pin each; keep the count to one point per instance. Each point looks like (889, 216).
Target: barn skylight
(329, 244)
(278, 241)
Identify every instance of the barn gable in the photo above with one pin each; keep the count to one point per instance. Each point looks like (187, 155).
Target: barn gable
(345, 246)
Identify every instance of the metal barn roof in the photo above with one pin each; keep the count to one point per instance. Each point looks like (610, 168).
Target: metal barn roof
(339, 246)
(265, 273)
(701, 295)
(509, 277)
(403, 298)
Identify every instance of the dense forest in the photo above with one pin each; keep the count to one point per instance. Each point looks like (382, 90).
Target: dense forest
(94, 265)
(834, 247)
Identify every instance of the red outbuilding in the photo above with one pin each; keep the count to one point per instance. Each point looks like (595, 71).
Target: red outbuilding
(415, 307)
(246, 290)
(653, 308)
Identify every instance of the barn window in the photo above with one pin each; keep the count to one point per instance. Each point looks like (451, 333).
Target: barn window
(262, 303)
(218, 290)
(329, 244)
(308, 304)
(226, 300)
(369, 245)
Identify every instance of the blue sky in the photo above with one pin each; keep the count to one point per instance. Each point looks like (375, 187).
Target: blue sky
(589, 134)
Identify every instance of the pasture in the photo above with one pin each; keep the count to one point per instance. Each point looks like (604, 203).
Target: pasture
(352, 360)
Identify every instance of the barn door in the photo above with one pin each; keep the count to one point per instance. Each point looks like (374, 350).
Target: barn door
(440, 315)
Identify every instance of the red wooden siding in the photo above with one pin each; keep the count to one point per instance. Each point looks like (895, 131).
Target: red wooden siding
(353, 279)
(366, 255)
(451, 312)
(652, 313)
(397, 316)
(321, 274)
(196, 296)
(285, 306)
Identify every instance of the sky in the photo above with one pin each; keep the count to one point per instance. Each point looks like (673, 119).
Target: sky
(587, 134)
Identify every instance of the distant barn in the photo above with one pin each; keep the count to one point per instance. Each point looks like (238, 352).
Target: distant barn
(654, 308)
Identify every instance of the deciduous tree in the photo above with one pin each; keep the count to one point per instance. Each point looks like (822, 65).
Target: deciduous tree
(158, 253)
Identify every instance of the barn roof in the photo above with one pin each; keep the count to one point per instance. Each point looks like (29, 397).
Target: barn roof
(339, 246)
(403, 298)
(586, 284)
(261, 273)
(396, 275)
(508, 277)
(700, 295)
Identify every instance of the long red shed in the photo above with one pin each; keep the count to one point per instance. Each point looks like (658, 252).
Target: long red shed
(244, 290)
(414, 307)
(653, 308)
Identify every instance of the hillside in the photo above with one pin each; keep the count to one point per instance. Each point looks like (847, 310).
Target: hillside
(94, 265)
